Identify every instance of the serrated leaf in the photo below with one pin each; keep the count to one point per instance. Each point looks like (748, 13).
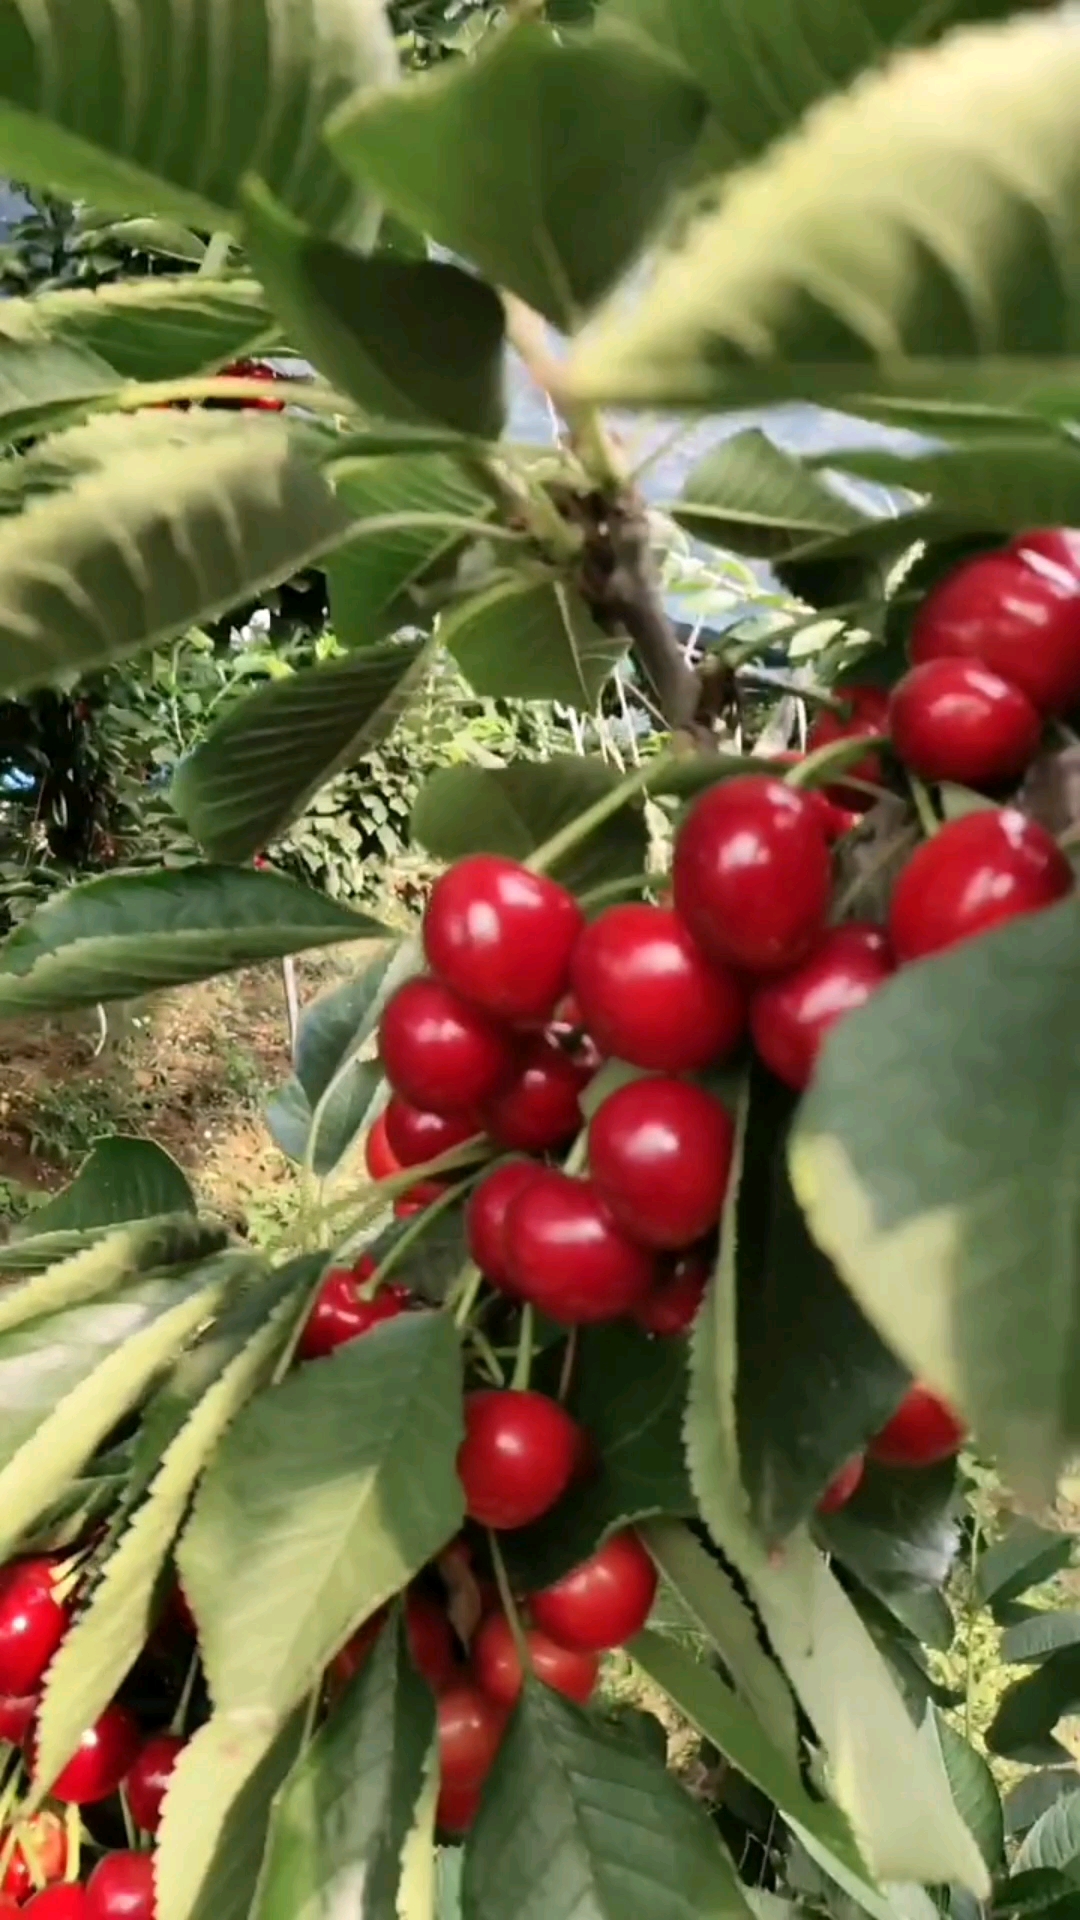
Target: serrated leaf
(531, 640)
(1024, 1557)
(166, 238)
(406, 339)
(817, 276)
(752, 496)
(1054, 1840)
(165, 109)
(986, 1222)
(487, 157)
(158, 328)
(1029, 1710)
(126, 934)
(973, 1789)
(339, 1828)
(577, 1820)
(217, 1811)
(372, 577)
(1030, 1641)
(1000, 486)
(175, 1239)
(1038, 1890)
(42, 382)
(199, 512)
(899, 1532)
(326, 1496)
(259, 768)
(69, 1278)
(108, 1636)
(121, 1179)
(513, 810)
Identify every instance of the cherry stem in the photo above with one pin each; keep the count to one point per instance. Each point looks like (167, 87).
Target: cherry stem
(470, 1284)
(414, 1231)
(819, 768)
(924, 806)
(513, 1617)
(130, 1829)
(183, 1705)
(523, 1363)
(73, 1830)
(1070, 837)
(577, 830)
(630, 883)
(569, 1359)
(488, 1356)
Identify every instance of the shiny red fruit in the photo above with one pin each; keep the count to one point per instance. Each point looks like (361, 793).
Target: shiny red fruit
(485, 1218)
(470, 1731)
(569, 1257)
(1055, 547)
(32, 1624)
(457, 1808)
(339, 1314)
(973, 874)
(603, 1602)
(660, 1155)
(1019, 617)
(101, 1761)
(922, 1431)
(17, 1713)
(415, 1136)
(431, 1640)
(867, 713)
(502, 936)
(497, 1663)
(752, 874)
(672, 1306)
(58, 1903)
(835, 820)
(45, 1837)
(955, 720)
(440, 1053)
(349, 1659)
(790, 1018)
(379, 1157)
(841, 1487)
(148, 1781)
(419, 1198)
(540, 1107)
(121, 1887)
(649, 995)
(517, 1458)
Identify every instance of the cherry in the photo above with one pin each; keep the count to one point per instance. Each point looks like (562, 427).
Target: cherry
(660, 1154)
(101, 1760)
(148, 1781)
(46, 1836)
(440, 1053)
(649, 995)
(1019, 617)
(922, 1431)
(339, 1314)
(568, 1256)
(121, 1887)
(251, 370)
(32, 1624)
(672, 1306)
(791, 1017)
(603, 1602)
(973, 874)
(415, 1136)
(471, 1728)
(485, 1218)
(955, 720)
(540, 1107)
(1056, 547)
(835, 820)
(379, 1157)
(58, 1903)
(457, 1808)
(867, 712)
(502, 936)
(349, 1659)
(517, 1458)
(419, 1198)
(431, 1640)
(17, 1712)
(842, 1486)
(497, 1663)
(752, 874)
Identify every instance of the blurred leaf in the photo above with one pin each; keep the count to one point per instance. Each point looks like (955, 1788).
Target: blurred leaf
(146, 235)
(531, 640)
(217, 1811)
(373, 578)
(514, 810)
(1035, 1794)
(1026, 1555)
(42, 382)
(120, 1179)
(1029, 1710)
(1031, 1640)
(1038, 1890)
(67, 1276)
(974, 1792)
(159, 328)
(752, 496)
(998, 486)
(899, 1529)
(1054, 1840)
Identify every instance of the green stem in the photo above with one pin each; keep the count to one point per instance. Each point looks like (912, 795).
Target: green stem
(523, 1364)
(630, 883)
(577, 830)
(569, 1357)
(924, 806)
(506, 1595)
(488, 1356)
(130, 1829)
(413, 1232)
(73, 1830)
(216, 257)
(471, 1282)
(817, 769)
(183, 1705)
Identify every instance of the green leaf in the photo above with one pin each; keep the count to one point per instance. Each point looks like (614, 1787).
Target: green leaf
(217, 1810)
(71, 1276)
(41, 383)
(327, 1495)
(1035, 1794)
(974, 1792)
(817, 278)
(258, 768)
(1039, 1890)
(126, 934)
(406, 339)
(488, 158)
(167, 238)
(514, 810)
(1031, 1640)
(372, 577)
(899, 1529)
(1024, 1557)
(1054, 1840)
(577, 1820)
(120, 1179)
(752, 496)
(1029, 1710)
(158, 328)
(339, 1828)
(984, 1216)
(106, 567)
(531, 640)
(1000, 486)
(162, 110)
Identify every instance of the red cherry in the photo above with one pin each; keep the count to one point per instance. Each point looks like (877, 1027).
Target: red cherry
(1058, 547)
(101, 1760)
(457, 1808)
(867, 712)
(431, 1640)
(502, 936)
(922, 1431)
(58, 1903)
(540, 1107)
(835, 820)
(660, 1154)
(441, 1054)
(517, 1457)
(415, 1136)
(649, 995)
(485, 1218)
(148, 1781)
(379, 1157)
(470, 1731)
(672, 1306)
(790, 1018)
(842, 1486)
(1018, 617)
(497, 1663)
(17, 1712)
(973, 874)
(568, 1256)
(955, 720)
(603, 1602)
(419, 1198)
(121, 1887)
(339, 1314)
(32, 1624)
(349, 1659)
(46, 1836)
(752, 874)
